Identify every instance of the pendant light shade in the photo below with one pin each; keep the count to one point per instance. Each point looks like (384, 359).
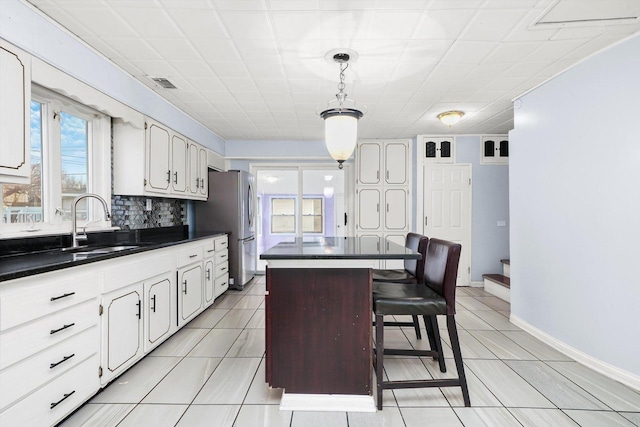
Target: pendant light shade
(341, 123)
(341, 132)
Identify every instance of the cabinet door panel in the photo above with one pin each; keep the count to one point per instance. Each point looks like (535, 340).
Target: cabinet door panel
(396, 155)
(158, 158)
(369, 157)
(159, 310)
(204, 173)
(369, 209)
(179, 164)
(395, 209)
(191, 291)
(123, 338)
(209, 281)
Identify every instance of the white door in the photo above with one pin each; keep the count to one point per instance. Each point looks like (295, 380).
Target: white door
(447, 209)
(209, 281)
(190, 288)
(179, 163)
(123, 329)
(158, 310)
(395, 205)
(369, 156)
(368, 209)
(396, 155)
(158, 158)
(193, 169)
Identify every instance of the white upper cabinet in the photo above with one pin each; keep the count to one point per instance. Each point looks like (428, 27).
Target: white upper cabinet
(153, 160)
(204, 172)
(437, 149)
(495, 150)
(15, 101)
(383, 162)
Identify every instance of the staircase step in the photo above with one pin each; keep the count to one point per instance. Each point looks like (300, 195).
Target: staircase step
(506, 267)
(506, 261)
(498, 285)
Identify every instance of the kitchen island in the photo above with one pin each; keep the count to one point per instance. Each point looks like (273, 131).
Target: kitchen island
(318, 321)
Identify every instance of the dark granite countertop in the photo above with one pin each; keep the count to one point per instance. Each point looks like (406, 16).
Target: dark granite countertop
(338, 248)
(36, 255)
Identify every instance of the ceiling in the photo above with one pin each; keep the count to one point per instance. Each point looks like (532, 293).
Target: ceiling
(258, 69)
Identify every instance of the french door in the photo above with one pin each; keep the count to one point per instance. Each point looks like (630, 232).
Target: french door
(298, 201)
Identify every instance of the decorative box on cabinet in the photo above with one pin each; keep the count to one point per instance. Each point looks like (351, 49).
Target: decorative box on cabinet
(15, 90)
(494, 150)
(437, 149)
(153, 160)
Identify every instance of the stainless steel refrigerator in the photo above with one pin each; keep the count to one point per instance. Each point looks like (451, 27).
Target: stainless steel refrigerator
(230, 208)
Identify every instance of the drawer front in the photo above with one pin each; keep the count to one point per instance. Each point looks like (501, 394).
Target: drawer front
(221, 243)
(20, 343)
(57, 399)
(221, 269)
(190, 255)
(209, 249)
(221, 285)
(45, 295)
(222, 256)
(21, 378)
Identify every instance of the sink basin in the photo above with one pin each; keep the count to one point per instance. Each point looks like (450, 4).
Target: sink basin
(84, 252)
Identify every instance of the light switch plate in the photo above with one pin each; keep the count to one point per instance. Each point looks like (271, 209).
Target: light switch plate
(502, 223)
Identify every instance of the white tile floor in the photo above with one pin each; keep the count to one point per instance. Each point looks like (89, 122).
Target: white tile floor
(211, 373)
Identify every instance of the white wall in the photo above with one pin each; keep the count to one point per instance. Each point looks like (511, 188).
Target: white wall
(27, 29)
(575, 209)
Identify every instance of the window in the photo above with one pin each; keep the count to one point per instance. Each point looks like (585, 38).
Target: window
(70, 155)
(283, 215)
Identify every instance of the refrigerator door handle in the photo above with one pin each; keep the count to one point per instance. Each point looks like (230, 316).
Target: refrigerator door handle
(248, 239)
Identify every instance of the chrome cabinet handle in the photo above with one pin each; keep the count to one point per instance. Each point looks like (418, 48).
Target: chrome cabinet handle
(169, 175)
(185, 287)
(139, 309)
(153, 307)
(197, 183)
(208, 274)
(193, 256)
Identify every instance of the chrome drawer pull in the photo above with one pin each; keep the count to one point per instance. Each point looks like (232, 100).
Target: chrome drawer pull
(193, 256)
(53, 331)
(209, 250)
(54, 404)
(63, 296)
(64, 359)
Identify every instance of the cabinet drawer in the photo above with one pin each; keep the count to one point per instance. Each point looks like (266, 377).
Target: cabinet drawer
(222, 257)
(190, 255)
(209, 248)
(221, 269)
(221, 285)
(21, 378)
(19, 343)
(57, 399)
(44, 295)
(221, 243)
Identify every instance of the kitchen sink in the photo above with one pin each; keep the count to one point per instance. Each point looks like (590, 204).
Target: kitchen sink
(85, 252)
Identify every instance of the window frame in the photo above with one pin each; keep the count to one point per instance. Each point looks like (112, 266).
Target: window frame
(98, 167)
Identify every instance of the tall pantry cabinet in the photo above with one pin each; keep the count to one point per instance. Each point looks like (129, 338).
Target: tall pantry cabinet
(383, 209)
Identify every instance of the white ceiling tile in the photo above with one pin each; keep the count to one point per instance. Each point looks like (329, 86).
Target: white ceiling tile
(524, 70)
(192, 68)
(456, 4)
(297, 25)
(393, 25)
(469, 52)
(149, 22)
(443, 24)
(416, 50)
(218, 98)
(576, 10)
(133, 48)
(446, 71)
(258, 50)
(213, 49)
(240, 85)
(185, 4)
(224, 69)
(239, 4)
(154, 67)
(578, 33)
(524, 32)
(492, 25)
(247, 25)
(511, 52)
(293, 4)
(265, 70)
(172, 49)
(101, 21)
(555, 49)
(199, 23)
(344, 25)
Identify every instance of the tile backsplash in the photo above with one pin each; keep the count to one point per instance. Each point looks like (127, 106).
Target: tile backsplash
(129, 212)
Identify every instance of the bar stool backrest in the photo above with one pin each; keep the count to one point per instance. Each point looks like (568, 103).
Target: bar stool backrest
(418, 243)
(441, 270)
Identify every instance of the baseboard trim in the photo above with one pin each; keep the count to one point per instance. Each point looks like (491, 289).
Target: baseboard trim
(476, 284)
(497, 290)
(327, 402)
(613, 372)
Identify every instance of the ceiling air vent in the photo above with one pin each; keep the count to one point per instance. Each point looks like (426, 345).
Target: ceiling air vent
(165, 83)
(580, 13)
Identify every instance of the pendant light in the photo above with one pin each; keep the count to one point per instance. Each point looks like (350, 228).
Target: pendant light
(341, 122)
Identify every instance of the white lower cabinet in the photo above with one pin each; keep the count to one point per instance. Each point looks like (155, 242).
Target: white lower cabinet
(66, 333)
(121, 330)
(189, 292)
(157, 318)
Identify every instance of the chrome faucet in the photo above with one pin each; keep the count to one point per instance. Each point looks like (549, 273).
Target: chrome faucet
(74, 227)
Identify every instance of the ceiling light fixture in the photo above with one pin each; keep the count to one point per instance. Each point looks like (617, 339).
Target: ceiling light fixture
(450, 118)
(341, 122)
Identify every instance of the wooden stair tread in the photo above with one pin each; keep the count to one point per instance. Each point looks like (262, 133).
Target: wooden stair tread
(499, 279)
(506, 261)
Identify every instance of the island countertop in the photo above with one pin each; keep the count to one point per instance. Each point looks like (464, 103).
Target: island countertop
(336, 248)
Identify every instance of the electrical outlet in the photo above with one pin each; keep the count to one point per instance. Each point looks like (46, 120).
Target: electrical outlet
(148, 206)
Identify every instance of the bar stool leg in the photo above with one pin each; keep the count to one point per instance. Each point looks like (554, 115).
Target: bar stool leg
(435, 340)
(416, 326)
(379, 359)
(457, 355)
